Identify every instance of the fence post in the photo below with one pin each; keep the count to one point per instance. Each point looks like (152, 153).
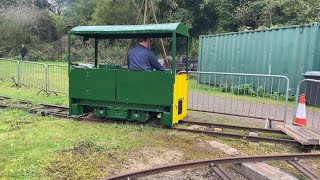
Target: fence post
(19, 74)
(47, 78)
(313, 113)
(55, 78)
(287, 96)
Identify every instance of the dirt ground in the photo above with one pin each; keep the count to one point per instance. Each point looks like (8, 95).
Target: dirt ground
(155, 157)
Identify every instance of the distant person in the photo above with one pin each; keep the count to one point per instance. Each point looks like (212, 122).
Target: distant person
(23, 52)
(141, 58)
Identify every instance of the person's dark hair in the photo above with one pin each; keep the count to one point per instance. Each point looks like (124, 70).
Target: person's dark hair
(142, 39)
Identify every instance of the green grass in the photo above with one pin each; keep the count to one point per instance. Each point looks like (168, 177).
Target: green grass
(34, 147)
(26, 93)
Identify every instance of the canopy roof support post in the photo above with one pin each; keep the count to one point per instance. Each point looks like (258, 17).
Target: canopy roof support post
(187, 54)
(96, 53)
(69, 52)
(173, 54)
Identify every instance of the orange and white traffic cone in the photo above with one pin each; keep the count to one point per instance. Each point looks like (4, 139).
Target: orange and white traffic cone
(301, 115)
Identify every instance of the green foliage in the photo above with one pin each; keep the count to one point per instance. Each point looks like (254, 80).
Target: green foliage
(114, 12)
(82, 12)
(248, 90)
(224, 88)
(24, 25)
(194, 47)
(59, 23)
(243, 89)
(46, 19)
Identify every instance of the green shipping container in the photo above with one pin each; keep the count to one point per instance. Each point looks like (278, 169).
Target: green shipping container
(288, 51)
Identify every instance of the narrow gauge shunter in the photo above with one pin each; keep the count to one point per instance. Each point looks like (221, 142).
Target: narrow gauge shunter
(118, 93)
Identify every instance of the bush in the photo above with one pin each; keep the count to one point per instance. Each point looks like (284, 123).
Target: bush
(243, 89)
(248, 90)
(224, 88)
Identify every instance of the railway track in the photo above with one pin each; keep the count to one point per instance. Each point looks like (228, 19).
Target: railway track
(62, 112)
(215, 165)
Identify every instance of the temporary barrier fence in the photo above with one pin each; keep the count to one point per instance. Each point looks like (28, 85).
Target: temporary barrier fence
(9, 71)
(33, 74)
(245, 95)
(311, 89)
(57, 79)
(50, 78)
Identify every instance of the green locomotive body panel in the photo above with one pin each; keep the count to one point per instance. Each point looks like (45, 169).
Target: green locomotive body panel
(95, 84)
(120, 94)
(144, 87)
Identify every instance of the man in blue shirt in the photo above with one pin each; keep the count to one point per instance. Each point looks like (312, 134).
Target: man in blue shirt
(141, 58)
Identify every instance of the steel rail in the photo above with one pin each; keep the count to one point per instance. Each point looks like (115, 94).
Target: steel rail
(238, 115)
(3, 106)
(19, 100)
(238, 136)
(30, 102)
(274, 131)
(4, 97)
(304, 170)
(58, 113)
(212, 162)
(54, 106)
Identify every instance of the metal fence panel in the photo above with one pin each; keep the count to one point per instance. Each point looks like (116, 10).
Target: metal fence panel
(246, 95)
(33, 74)
(57, 79)
(311, 89)
(9, 70)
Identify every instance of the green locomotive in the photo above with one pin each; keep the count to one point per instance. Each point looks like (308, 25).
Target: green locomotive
(118, 93)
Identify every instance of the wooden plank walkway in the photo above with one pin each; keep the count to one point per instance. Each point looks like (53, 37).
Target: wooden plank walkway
(301, 134)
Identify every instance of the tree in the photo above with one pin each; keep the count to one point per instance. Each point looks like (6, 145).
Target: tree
(27, 25)
(43, 4)
(108, 12)
(82, 11)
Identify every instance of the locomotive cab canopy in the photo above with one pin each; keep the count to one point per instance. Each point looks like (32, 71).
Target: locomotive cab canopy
(111, 91)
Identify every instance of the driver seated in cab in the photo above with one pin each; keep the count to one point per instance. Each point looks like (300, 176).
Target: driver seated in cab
(140, 58)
